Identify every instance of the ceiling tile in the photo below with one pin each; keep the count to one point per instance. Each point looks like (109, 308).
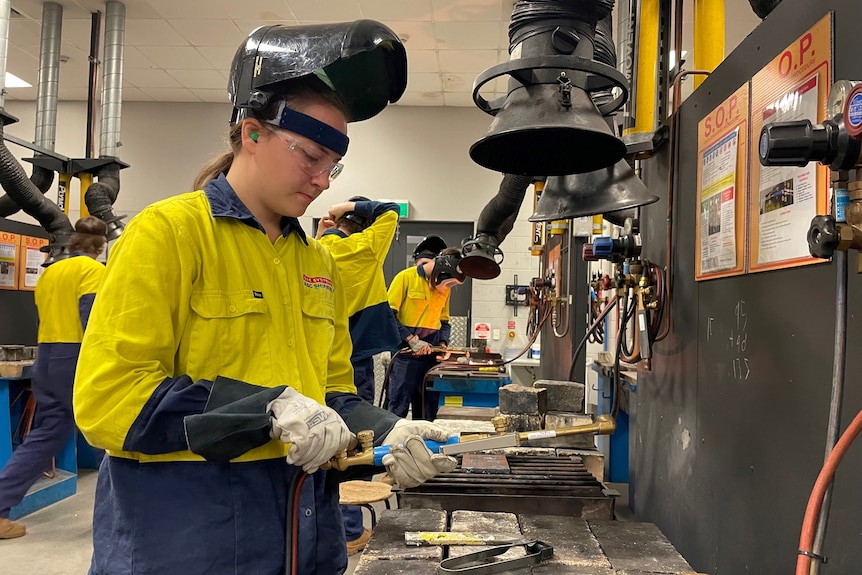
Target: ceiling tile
(389, 10)
(459, 99)
(190, 9)
(415, 35)
(202, 79)
(72, 94)
(466, 35)
(473, 61)
(219, 57)
(460, 10)
(33, 9)
(75, 57)
(504, 38)
(22, 93)
(175, 58)
(131, 94)
(421, 99)
(74, 77)
(171, 94)
(214, 96)
(325, 10)
(209, 32)
(150, 78)
(23, 32)
(422, 61)
(261, 10)
(153, 33)
(457, 82)
(424, 83)
(76, 33)
(133, 59)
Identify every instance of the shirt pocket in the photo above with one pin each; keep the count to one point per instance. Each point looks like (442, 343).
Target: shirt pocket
(318, 322)
(229, 336)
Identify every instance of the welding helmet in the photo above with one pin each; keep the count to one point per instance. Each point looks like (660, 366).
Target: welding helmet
(446, 274)
(429, 247)
(360, 221)
(364, 62)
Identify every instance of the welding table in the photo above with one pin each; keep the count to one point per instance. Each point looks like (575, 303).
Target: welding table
(580, 547)
(46, 491)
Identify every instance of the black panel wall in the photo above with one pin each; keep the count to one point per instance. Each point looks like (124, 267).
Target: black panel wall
(725, 466)
(18, 320)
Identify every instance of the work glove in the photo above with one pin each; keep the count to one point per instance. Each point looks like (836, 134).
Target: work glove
(404, 428)
(412, 463)
(419, 347)
(315, 431)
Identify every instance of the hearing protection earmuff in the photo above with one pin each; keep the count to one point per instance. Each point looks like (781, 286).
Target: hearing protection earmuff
(254, 136)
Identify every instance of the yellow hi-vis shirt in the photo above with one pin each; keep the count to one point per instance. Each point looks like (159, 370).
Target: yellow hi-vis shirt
(360, 257)
(58, 294)
(415, 303)
(189, 293)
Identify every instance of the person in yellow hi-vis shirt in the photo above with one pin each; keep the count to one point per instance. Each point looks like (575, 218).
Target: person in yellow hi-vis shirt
(64, 296)
(215, 370)
(358, 234)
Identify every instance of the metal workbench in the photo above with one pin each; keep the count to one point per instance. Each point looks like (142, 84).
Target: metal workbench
(580, 547)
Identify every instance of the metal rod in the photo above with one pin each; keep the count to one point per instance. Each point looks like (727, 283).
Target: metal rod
(5, 20)
(95, 28)
(833, 428)
(49, 75)
(34, 147)
(112, 85)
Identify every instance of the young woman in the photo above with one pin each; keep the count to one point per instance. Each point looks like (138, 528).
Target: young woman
(216, 367)
(64, 295)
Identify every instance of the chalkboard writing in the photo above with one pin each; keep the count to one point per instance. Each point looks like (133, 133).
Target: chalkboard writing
(739, 343)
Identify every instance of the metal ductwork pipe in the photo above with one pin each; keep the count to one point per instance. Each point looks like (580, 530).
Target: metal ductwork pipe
(101, 195)
(46, 100)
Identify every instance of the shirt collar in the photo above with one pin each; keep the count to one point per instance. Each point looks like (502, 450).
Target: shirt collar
(224, 203)
(420, 269)
(334, 232)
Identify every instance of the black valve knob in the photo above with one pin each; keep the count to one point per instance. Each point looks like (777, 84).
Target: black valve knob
(823, 237)
(792, 143)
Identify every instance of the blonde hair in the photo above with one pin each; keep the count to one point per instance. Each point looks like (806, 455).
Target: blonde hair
(89, 235)
(297, 94)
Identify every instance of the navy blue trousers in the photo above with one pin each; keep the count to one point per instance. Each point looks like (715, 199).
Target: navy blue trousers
(406, 386)
(53, 424)
(363, 378)
(201, 518)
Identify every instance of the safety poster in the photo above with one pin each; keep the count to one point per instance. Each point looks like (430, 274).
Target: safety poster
(31, 261)
(722, 138)
(783, 200)
(9, 248)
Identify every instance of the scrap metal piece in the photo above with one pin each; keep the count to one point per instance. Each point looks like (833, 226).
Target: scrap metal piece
(430, 538)
(485, 463)
(537, 551)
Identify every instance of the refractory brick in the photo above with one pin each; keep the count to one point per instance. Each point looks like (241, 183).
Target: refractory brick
(563, 395)
(519, 400)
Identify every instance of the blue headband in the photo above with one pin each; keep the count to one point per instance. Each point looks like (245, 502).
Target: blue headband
(313, 129)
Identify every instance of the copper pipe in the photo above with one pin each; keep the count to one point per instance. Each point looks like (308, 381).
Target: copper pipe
(672, 144)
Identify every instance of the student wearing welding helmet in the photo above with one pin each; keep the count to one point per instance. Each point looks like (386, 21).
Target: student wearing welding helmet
(419, 297)
(215, 369)
(358, 234)
(64, 296)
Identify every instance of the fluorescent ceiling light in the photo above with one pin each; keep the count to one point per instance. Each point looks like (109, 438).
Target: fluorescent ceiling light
(13, 81)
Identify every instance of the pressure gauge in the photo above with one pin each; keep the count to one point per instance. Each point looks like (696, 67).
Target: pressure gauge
(837, 96)
(630, 226)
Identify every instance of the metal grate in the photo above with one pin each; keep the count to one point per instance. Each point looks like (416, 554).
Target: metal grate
(549, 485)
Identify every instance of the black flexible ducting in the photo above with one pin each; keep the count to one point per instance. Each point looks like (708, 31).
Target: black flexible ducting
(533, 17)
(41, 177)
(763, 7)
(101, 195)
(23, 192)
(498, 216)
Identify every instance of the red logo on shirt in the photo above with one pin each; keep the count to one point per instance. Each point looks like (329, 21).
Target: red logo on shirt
(317, 282)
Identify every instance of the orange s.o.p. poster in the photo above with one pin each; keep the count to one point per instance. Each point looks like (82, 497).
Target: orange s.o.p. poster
(31, 261)
(783, 200)
(722, 178)
(10, 246)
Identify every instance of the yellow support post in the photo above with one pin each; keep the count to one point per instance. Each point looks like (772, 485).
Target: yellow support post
(708, 36)
(86, 180)
(646, 82)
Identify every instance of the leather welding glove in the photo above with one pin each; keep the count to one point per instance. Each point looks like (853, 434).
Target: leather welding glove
(404, 428)
(315, 431)
(419, 347)
(412, 463)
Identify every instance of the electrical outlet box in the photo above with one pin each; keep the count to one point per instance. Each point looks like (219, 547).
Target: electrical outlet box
(496, 334)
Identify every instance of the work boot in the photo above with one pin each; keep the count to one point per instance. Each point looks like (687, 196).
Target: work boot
(358, 544)
(12, 529)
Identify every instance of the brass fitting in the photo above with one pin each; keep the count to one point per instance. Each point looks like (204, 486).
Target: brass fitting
(500, 423)
(348, 458)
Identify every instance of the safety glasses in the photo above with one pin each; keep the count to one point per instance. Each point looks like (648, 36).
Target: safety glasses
(312, 164)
